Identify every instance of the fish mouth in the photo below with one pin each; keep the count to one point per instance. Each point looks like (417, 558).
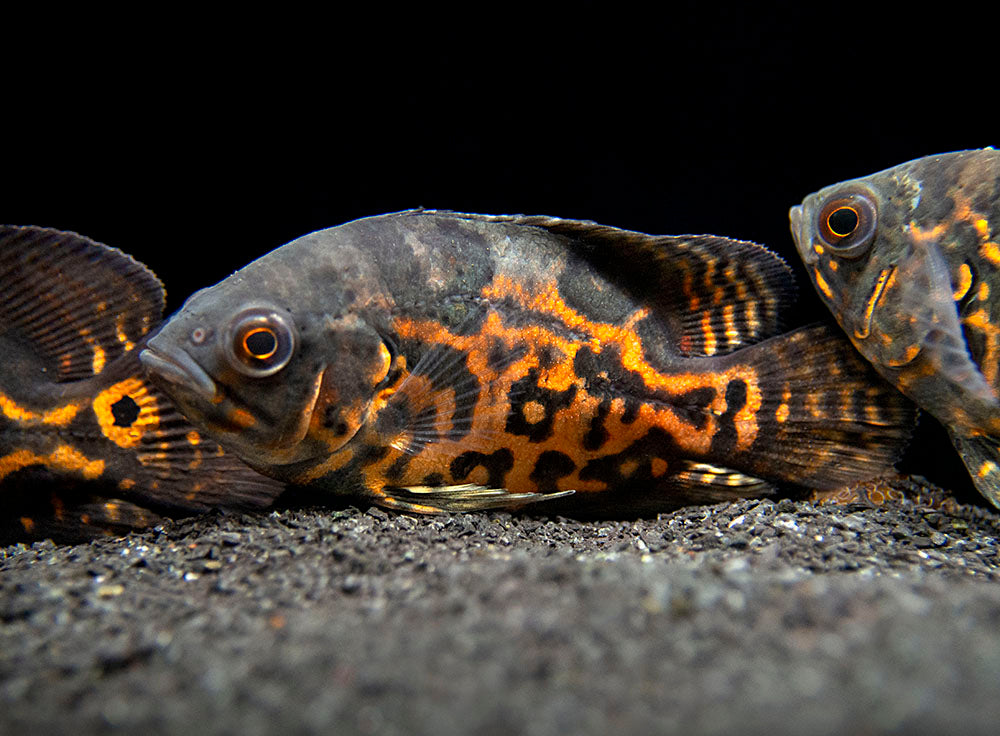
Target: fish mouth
(178, 368)
(796, 217)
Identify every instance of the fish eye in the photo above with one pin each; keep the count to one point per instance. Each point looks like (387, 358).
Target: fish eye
(259, 342)
(847, 224)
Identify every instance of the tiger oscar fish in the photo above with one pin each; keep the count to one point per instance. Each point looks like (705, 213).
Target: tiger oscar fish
(434, 361)
(907, 260)
(87, 445)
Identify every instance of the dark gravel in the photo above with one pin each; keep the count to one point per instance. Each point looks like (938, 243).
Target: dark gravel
(752, 617)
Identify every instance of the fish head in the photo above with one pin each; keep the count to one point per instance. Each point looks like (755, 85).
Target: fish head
(273, 384)
(881, 250)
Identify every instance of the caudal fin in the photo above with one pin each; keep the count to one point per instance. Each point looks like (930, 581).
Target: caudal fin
(825, 419)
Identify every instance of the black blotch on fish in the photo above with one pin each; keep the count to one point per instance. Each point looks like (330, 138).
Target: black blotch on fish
(526, 391)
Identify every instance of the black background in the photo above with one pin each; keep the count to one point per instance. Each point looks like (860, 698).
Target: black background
(197, 144)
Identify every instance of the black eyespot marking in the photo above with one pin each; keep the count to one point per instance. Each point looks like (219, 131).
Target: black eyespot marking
(125, 411)
(847, 223)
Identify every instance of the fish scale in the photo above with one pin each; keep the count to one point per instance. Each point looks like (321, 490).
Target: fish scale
(434, 361)
(911, 277)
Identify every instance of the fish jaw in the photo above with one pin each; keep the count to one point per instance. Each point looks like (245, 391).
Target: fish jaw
(796, 219)
(178, 368)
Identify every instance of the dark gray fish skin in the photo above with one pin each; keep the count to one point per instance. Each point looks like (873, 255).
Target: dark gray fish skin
(436, 360)
(912, 276)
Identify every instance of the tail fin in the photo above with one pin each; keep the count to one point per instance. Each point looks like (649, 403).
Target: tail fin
(826, 418)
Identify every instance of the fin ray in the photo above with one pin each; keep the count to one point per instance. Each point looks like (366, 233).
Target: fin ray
(78, 303)
(463, 497)
(826, 419)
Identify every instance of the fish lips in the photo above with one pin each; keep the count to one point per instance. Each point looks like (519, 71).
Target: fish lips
(175, 366)
(799, 220)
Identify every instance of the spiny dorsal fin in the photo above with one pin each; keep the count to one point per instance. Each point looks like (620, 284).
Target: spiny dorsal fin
(78, 303)
(718, 293)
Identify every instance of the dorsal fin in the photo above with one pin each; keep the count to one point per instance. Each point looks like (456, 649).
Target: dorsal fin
(718, 293)
(77, 303)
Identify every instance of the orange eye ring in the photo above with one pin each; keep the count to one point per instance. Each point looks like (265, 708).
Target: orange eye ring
(259, 342)
(847, 223)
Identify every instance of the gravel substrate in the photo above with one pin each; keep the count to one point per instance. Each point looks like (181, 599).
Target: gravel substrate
(755, 617)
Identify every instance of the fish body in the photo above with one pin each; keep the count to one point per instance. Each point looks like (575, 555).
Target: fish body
(87, 445)
(440, 361)
(908, 262)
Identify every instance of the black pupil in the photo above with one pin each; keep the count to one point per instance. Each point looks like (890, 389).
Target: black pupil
(261, 343)
(843, 221)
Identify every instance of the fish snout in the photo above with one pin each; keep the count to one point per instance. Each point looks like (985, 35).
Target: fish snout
(797, 222)
(174, 365)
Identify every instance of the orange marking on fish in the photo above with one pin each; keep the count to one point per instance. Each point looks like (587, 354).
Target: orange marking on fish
(708, 334)
(241, 418)
(991, 252)
(64, 458)
(113, 510)
(27, 524)
(533, 412)
(980, 320)
(60, 416)
(123, 338)
(964, 282)
(882, 284)
(823, 286)
(920, 235)
(628, 467)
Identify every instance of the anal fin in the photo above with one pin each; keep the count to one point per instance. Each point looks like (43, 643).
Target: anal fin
(70, 517)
